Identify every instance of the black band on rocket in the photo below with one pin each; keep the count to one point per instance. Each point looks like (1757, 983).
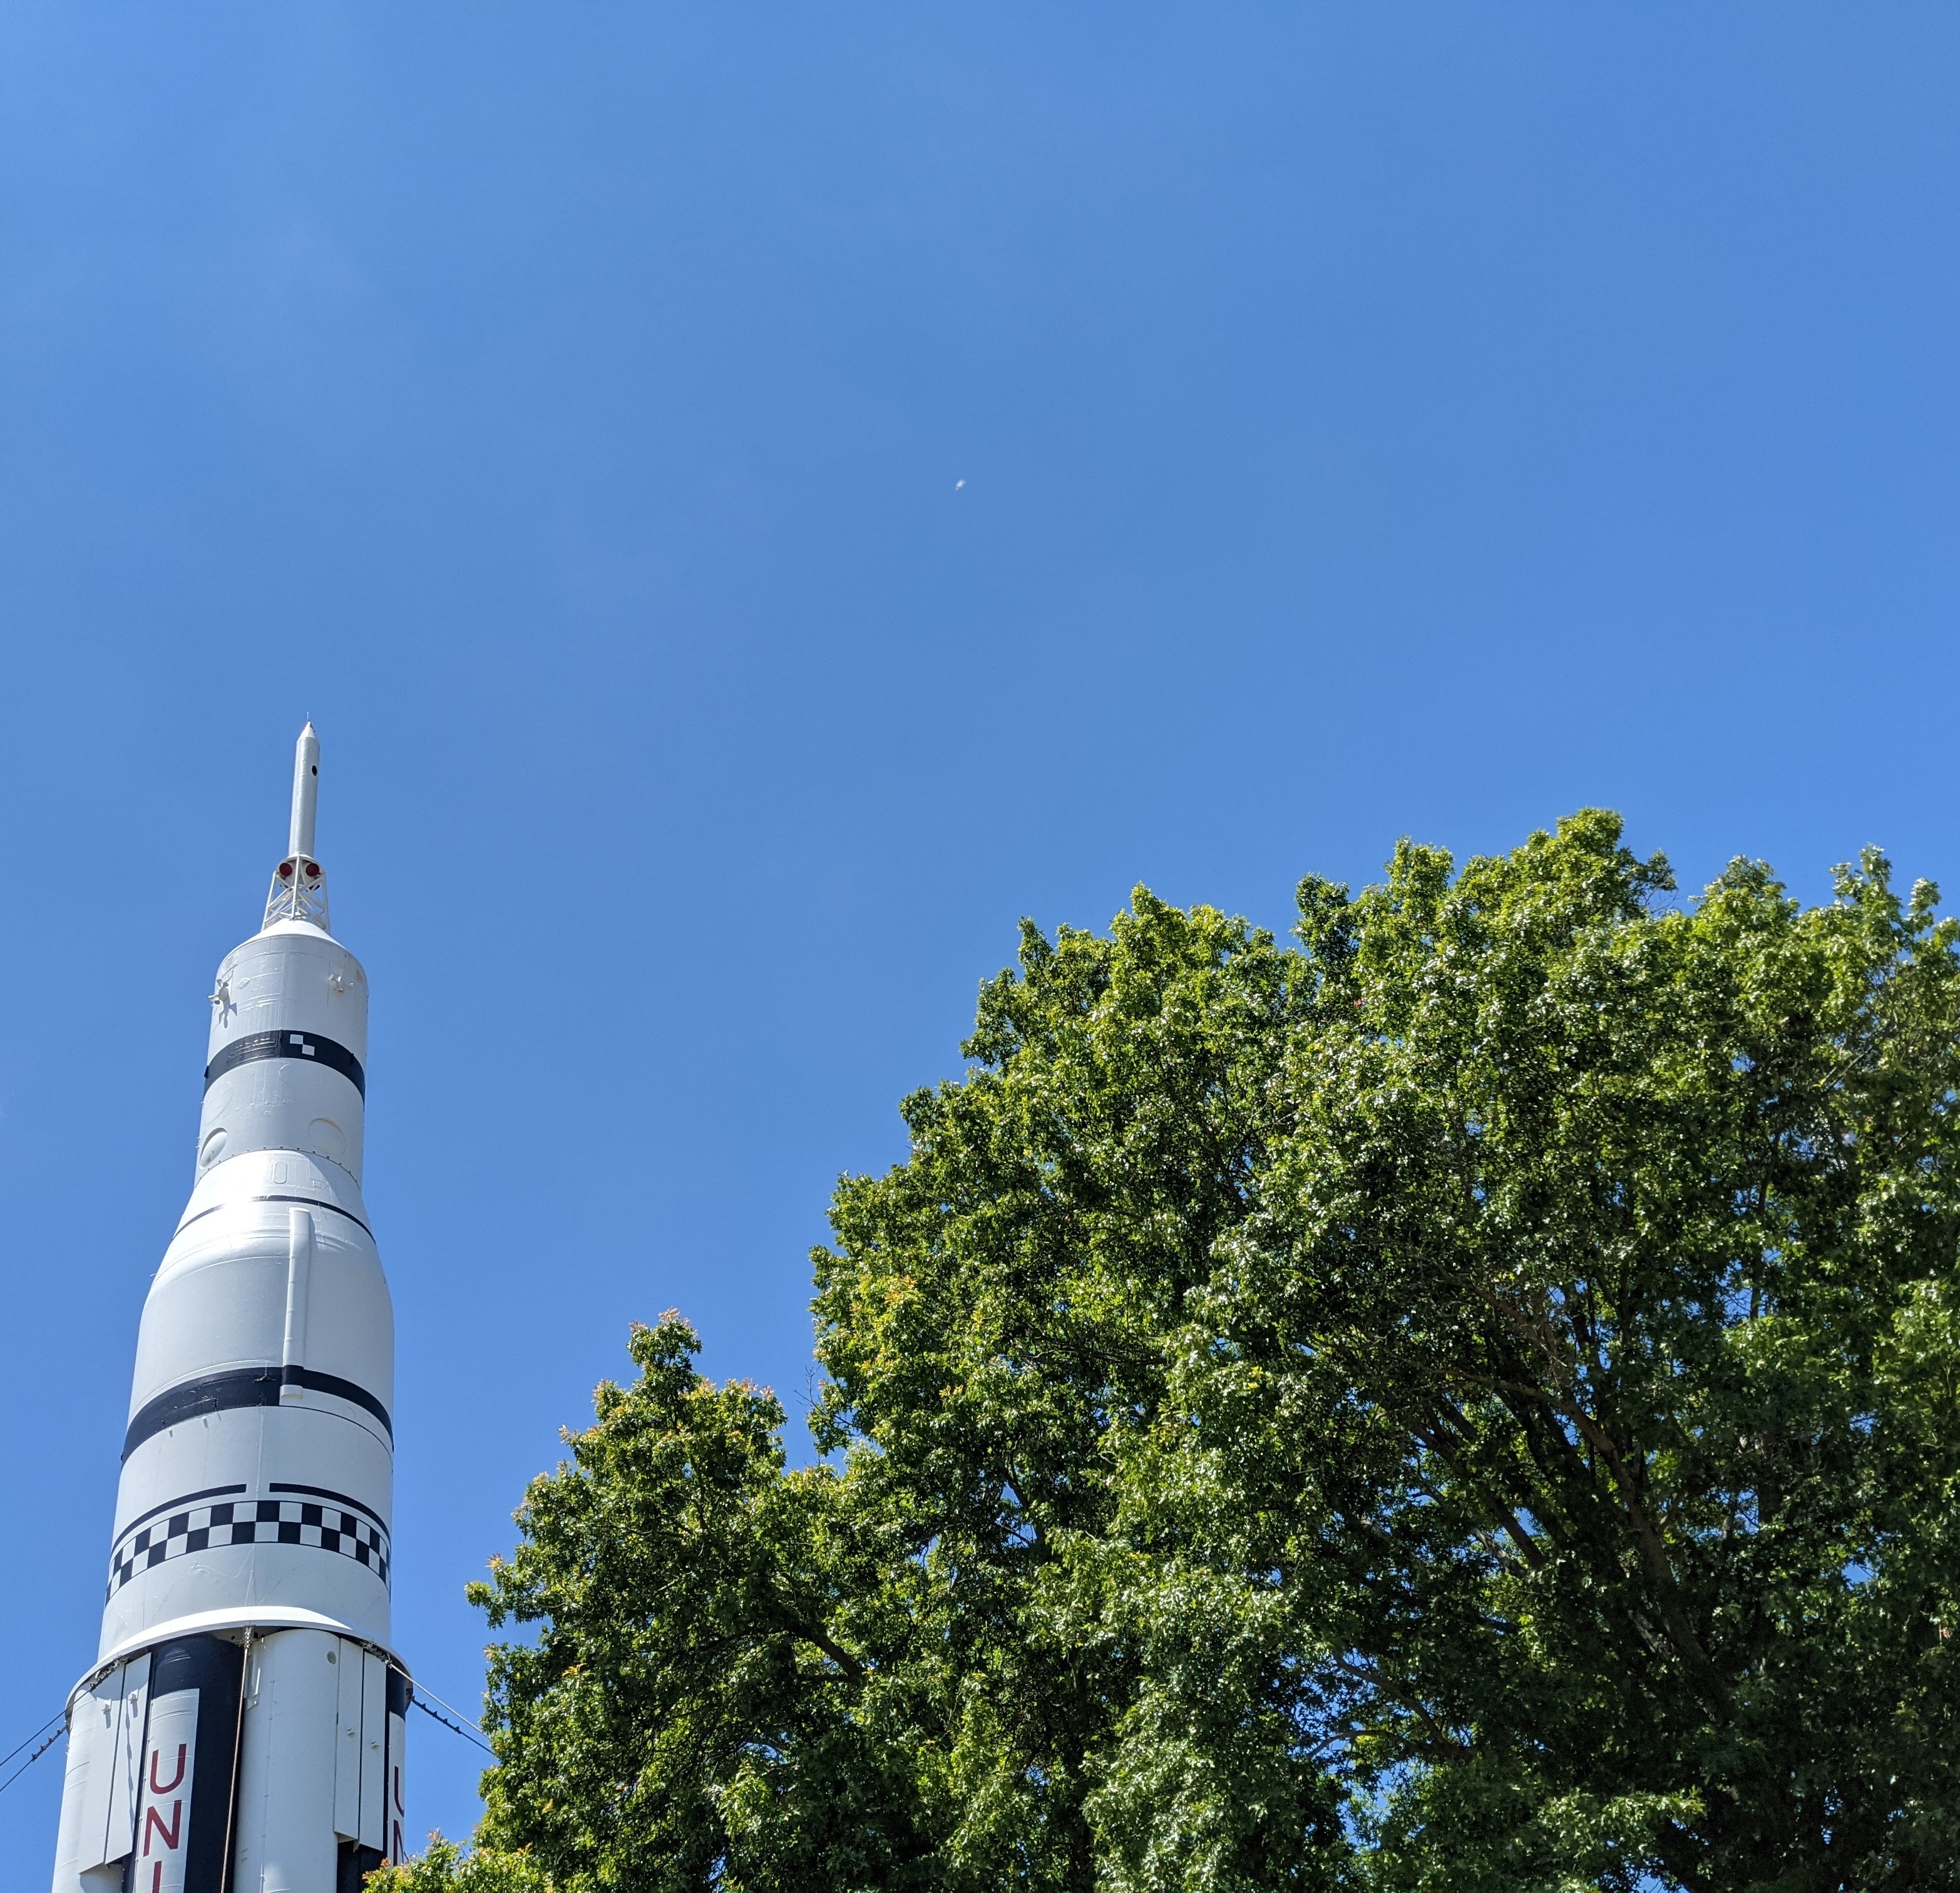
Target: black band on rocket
(287, 1044)
(242, 1387)
(311, 1202)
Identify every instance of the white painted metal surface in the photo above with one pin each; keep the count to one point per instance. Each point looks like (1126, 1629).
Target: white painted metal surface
(286, 1839)
(306, 793)
(125, 1780)
(106, 1723)
(373, 1751)
(347, 1750)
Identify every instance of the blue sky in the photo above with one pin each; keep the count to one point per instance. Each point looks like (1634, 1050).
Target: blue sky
(1372, 420)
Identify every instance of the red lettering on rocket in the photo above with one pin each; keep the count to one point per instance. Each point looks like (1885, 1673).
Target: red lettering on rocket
(153, 1820)
(164, 1787)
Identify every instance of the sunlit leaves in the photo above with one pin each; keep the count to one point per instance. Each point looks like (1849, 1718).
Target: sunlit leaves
(1472, 1401)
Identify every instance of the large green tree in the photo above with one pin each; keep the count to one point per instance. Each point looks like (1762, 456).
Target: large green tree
(1470, 1402)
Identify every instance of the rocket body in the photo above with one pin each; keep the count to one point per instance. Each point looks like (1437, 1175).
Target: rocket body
(242, 1731)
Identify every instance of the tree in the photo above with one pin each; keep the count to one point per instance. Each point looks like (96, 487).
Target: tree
(1474, 1401)
(1612, 1254)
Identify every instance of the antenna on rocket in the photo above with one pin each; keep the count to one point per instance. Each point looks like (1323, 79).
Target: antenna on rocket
(299, 882)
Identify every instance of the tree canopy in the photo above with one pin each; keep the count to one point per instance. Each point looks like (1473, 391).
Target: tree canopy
(1470, 1400)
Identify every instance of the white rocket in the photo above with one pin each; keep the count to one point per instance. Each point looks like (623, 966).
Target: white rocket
(241, 1731)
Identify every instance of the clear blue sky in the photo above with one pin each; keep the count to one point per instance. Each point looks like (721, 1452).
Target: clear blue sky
(1374, 419)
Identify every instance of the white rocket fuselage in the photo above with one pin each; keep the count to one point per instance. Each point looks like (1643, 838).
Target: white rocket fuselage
(246, 1617)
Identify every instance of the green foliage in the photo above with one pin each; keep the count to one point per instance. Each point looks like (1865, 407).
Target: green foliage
(686, 1714)
(1473, 1402)
(1600, 1243)
(445, 1867)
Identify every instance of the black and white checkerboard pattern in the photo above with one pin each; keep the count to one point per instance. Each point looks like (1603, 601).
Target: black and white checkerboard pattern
(198, 1528)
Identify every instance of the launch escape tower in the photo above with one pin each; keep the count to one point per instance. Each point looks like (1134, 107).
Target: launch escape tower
(241, 1731)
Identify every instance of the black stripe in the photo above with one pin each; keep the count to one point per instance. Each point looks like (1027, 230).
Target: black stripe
(315, 1203)
(189, 1498)
(310, 1202)
(287, 1044)
(341, 1389)
(338, 1498)
(213, 1393)
(240, 1387)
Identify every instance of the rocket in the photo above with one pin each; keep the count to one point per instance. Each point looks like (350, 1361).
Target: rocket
(241, 1730)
